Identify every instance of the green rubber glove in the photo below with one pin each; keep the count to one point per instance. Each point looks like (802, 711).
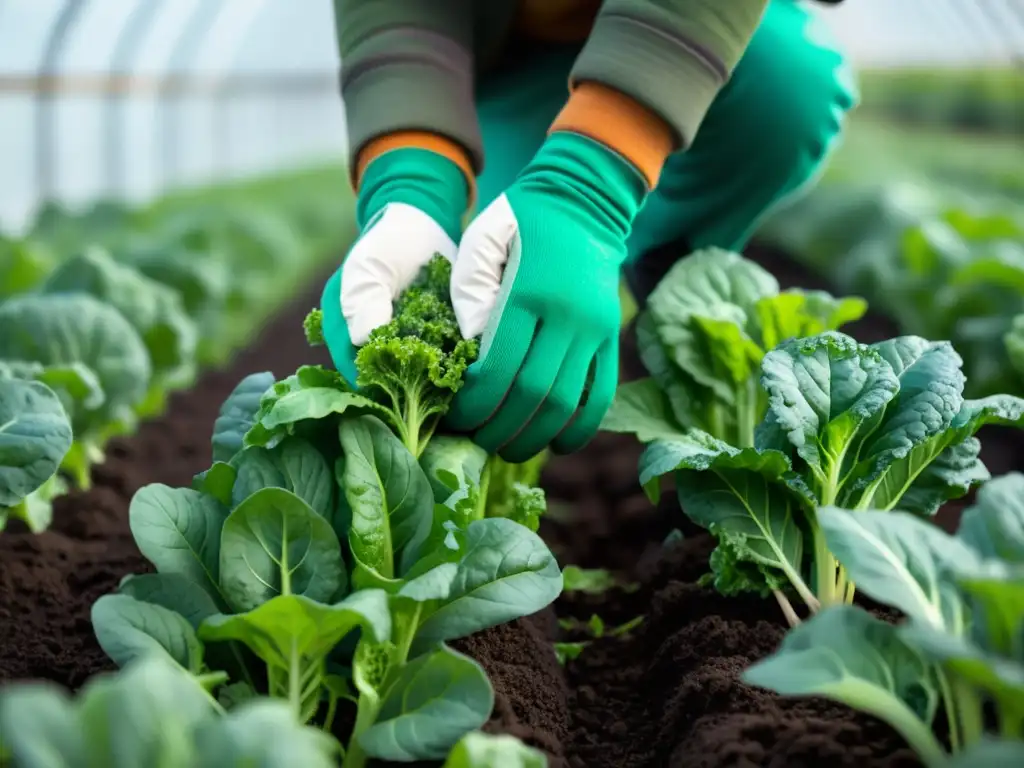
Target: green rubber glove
(537, 273)
(410, 207)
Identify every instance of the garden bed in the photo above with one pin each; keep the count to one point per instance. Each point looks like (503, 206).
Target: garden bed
(665, 695)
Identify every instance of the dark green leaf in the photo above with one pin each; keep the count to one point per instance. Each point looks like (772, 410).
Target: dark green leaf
(238, 414)
(272, 544)
(128, 629)
(179, 531)
(436, 700)
(390, 497)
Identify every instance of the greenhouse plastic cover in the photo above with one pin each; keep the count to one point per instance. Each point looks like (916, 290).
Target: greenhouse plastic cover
(267, 95)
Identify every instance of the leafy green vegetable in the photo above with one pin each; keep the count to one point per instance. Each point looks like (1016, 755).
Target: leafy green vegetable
(414, 365)
(318, 548)
(863, 426)
(481, 750)
(23, 265)
(595, 628)
(594, 581)
(153, 310)
(35, 435)
(92, 358)
(238, 415)
(847, 655)
(702, 336)
(942, 269)
(152, 713)
(959, 646)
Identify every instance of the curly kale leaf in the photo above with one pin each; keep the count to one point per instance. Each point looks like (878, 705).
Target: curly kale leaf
(413, 365)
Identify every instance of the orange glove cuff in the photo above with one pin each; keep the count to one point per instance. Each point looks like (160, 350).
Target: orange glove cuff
(419, 140)
(620, 123)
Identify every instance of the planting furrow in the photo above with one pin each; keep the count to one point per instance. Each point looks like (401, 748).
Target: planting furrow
(50, 580)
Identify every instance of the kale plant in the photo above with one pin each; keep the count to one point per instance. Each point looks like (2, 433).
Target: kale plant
(702, 336)
(959, 647)
(882, 426)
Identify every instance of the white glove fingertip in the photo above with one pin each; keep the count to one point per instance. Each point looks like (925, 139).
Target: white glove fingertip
(362, 325)
(479, 266)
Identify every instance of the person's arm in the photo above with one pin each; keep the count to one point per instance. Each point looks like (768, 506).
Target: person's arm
(407, 79)
(414, 152)
(651, 69)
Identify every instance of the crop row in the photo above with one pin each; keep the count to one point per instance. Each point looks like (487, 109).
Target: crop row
(106, 312)
(309, 583)
(941, 268)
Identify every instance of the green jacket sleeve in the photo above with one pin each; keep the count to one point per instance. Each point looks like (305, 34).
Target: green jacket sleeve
(672, 56)
(385, 45)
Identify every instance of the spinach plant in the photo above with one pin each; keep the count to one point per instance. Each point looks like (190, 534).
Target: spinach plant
(35, 436)
(92, 357)
(959, 646)
(152, 713)
(154, 310)
(23, 264)
(880, 426)
(319, 561)
(702, 336)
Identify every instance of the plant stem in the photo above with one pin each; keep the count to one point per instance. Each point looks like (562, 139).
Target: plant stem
(824, 568)
(332, 708)
(747, 416)
(787, 608)
(953, 718)
(366, 715)
(485, 486)
(411, 416)
(851, 590)
(368, 707)
(241, 663)
(210, 680)
(294, 682)
(1011, 724)
(286, 572)
(969, 712)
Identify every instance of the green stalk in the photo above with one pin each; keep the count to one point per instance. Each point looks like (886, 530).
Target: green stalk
(787, 608)
(332, 708)
(716, 424)
(864, 697)
(413, 425)
(368, 707)
(746, 419)
(824, 568)
(485, 484)
(366, 715)
(953, 716)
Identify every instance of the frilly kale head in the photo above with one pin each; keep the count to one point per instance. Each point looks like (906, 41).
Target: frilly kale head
(413, 365)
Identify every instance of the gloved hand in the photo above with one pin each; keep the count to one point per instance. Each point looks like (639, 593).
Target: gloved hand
(537, 273)
(410, 207)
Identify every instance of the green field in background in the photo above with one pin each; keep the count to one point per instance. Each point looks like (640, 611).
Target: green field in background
(875, 148)
(988, 100)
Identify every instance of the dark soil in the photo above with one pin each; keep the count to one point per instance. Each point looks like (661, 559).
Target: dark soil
(668, 694)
